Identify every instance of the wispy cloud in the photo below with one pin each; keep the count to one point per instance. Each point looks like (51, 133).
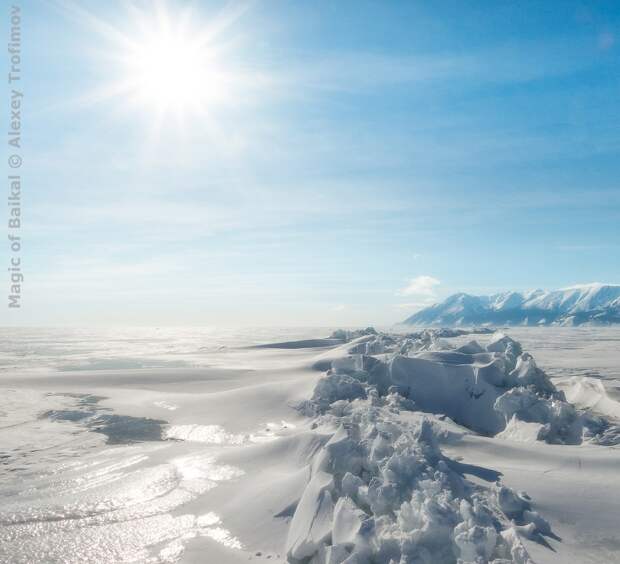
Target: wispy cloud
(421, 291)
(414, 305)
(422, 286)
(506, 62)
(585, 248)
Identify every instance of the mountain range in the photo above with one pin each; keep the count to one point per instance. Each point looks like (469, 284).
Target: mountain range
(590, 304)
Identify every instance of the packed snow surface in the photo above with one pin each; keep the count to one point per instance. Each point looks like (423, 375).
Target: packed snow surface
(439, 446)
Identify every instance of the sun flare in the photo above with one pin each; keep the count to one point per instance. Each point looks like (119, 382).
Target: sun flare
(169, 72)
(167, 63)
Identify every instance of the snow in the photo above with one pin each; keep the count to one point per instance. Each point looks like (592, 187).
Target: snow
(519, 430)
(395, 497)
(312, 523)
(589, 393)
(434, 447)
(383, 492)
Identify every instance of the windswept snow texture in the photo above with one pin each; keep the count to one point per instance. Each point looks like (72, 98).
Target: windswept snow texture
(589, 304)
(381, 491)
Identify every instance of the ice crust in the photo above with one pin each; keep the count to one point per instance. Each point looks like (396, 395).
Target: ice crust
(482, 388)
(382, 492)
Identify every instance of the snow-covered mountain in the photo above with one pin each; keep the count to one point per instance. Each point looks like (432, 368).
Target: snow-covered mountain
(593, 304)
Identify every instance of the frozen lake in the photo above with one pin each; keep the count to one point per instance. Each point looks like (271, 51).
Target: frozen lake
(181, 445)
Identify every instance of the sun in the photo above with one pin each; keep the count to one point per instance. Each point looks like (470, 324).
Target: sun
(169, 71)
(162, 61)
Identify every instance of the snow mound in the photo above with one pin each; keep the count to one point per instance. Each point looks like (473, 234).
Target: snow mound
(589, 393)
(481, 388)
(380, 489)
(382, 492)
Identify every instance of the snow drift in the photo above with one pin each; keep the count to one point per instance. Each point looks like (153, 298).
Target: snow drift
(381, 491)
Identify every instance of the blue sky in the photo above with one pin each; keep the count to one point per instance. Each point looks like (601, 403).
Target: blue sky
(358, 160)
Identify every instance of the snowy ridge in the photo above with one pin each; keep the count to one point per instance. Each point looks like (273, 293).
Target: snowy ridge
(381, 491)
(593, 304)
